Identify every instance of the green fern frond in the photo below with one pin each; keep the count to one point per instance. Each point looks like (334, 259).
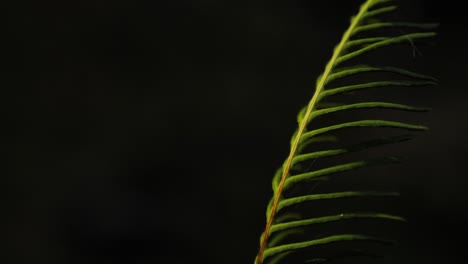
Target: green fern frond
(283, 233)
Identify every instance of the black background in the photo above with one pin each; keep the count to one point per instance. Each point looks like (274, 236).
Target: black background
(148, 131)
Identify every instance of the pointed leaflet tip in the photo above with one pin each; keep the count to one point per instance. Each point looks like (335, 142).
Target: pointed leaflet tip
(362, 123)
(407, 38)
(330, 196)
(313, 175)
(321, 241)
(333, 218)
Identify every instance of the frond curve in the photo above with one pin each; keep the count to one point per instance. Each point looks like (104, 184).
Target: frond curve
(284, 225)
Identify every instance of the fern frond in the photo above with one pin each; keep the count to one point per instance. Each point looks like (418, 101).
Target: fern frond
(359, 39)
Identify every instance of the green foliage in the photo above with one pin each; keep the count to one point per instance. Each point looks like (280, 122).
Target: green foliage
(284, 221)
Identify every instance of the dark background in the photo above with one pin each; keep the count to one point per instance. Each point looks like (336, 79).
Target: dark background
(148, 131)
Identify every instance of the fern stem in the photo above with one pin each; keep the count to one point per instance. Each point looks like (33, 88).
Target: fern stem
(312, 104)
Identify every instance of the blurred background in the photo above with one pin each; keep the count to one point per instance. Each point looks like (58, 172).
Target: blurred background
(149, 131)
